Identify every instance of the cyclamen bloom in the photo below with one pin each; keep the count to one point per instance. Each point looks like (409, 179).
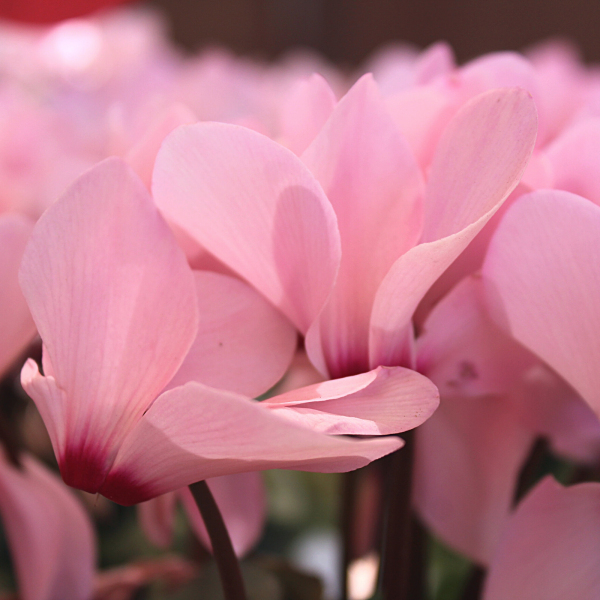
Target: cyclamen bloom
(116, 306)
(355, 201)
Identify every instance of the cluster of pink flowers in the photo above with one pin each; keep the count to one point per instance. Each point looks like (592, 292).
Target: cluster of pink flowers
(186, 233)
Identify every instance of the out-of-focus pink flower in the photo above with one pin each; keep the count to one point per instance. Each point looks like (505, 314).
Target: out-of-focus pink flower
(16, 325)
(241, 500)
(49, 534)
(549, 549)
(95, 275)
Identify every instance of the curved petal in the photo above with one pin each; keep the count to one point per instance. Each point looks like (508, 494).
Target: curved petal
(542, 276)
(16, 325)
(468, 458)
(550, 548)
(243, 343)
(386, 400)
(478, 162)
(95, 274)
(241, 500)
(156, 518)
(257, 208)
(375, 187)
(305, 111)
(50, 535)
(222, 433)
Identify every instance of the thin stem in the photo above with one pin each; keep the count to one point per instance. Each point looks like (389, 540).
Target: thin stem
(474, 584)
(227, 562)
(348, 516)
(396, 565)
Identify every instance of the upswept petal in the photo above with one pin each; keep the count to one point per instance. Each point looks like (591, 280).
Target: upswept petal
(16, 325)
(468, 458)
(243, 343)
(383, 401)
(257, 208)
(94, 274)
(305, 111)
(550, 549)
(542, 277)
(478, 162)
(50, 535)
(574, 159)
(241, 500)
(375, 186)
(222, 433)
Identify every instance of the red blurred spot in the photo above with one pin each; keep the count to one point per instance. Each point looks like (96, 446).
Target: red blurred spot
(51, 11)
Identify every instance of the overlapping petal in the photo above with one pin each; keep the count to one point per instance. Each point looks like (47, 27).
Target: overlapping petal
(478, 162)
(222, 433)
(542, 276)
(255, 206)
(375, 187)
(95, 274)
(379, 402)
(243, 343)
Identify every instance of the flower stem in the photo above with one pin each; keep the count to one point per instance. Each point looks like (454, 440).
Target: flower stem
(396, 564)
(227, 562)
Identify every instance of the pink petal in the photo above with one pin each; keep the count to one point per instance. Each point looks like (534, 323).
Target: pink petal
(16, 325)
(386, 400)
(550, 549)
(468, 458)
(142, 155)
(50, 535)
(257, 208)
(243, 343)
(551, 408)
(464, 352)
(574, 159)
(222, 434)
(95, 274)
(542, 276)
(156, 518)
(375, 186)
(421, 113)
(478, 162)
(241, 500)
(305, 111)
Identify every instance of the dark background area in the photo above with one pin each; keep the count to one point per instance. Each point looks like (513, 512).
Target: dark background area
(347, 31)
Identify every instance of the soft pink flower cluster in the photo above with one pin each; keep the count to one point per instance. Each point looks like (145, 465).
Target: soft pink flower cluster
(377, 237)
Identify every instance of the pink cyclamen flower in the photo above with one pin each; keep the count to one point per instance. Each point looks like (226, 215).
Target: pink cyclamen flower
(49, 533)
(129, 346)
(346, 239)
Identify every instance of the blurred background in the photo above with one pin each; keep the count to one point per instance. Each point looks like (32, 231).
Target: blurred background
(347, 31)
